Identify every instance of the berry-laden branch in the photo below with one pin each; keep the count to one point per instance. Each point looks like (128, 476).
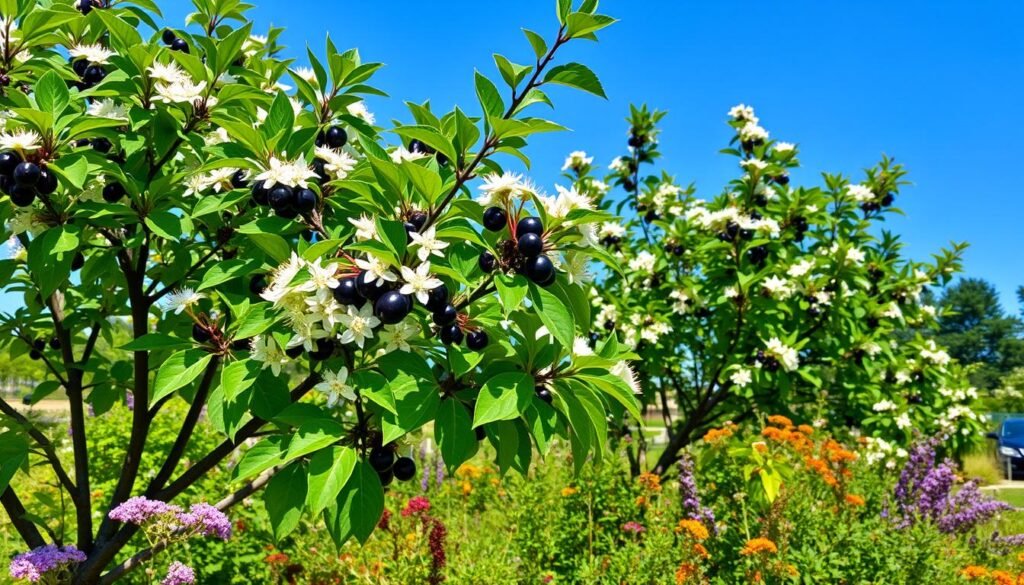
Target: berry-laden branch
(463, 175)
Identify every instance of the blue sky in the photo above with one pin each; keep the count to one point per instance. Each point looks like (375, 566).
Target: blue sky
(938, 85)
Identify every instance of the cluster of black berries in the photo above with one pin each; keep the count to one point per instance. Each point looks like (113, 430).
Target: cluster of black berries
(869, 207)
(815, 309)
(800, 228)
(750, 145)
(333, 137)
(388, 467)
(86, 6)
(674, 248)
(649, 214)
(23, 180)
(287, 202)
(611, 241)
(446, 317)
(173, 42)
(89, 74)
(38, 346)
(757, 255)
(526, 253)
(768, 362)
(419, 147)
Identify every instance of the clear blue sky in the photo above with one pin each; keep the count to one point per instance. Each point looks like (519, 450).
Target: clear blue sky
(939, 85)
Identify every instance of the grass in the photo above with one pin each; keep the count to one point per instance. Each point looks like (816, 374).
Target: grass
(982, 465)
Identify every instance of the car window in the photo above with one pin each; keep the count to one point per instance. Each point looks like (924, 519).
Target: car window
(1013, 428)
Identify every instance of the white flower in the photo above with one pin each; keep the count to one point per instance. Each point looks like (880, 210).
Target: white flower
(321, 278)
(755, 163)
(336, 388)
(108, 108)
(401, 154)
(168, 73)
(94, 54)
(784, 147)
(359, 324)
(359, 110)
(903, 421)
(751, 132)
(182, 91)
(859, 193)
(580, 347)
(620, 165)
(22, 140)
(566, 201)
(731, 292)
(576, 160)
(337, 163)
(419, 282)
(181, 299)
(308, 329)
(428, 244)
(265, 349)
(577, 268)
(779, 288)
(294, 173)
(376, 271)
(742, 112)
(855, 255)
(800, 268)
(787, 356)
(397, 336)
(741, 377)
(281, 282)
(196, 184)
(884, 406)
(644, 262)
(218, 136)
(934, 354)
(624, 371)
(305, 73)
(253, 44)
(611, 229)
(366, 227)
(499, 189)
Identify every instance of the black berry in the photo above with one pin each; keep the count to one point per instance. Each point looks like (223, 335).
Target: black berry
(487, 261)
(392, 307)
(544, 394)
(529, 225)
(78, 261)
(200, 333)
(47, 182)
(530, 244)
(258, 284)
(386, 477)
(102, 145)
(369, 289)
(260, 194)
(281, 197)
(8, 162)
(239, 180)
(495, 219)
(168, 36)
(179, 45)
(293, 352)
(94, 74)
(79, 67)
(446, 315)
(54, 343)
(23, 195)
(84, 6)
(540, 269)
(437, 298)
(305, 200)
(347, 293)
(476, 340)
(27, 174)
(451, 334)
(417, 220)
(335, 137)
(382, 458)
(404, 469)
(324, 349)
(113, 192)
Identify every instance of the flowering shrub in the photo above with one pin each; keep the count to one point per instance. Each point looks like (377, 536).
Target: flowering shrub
(771, 296)
(203, 221)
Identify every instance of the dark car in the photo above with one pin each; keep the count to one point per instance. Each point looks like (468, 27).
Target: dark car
(1009, 438)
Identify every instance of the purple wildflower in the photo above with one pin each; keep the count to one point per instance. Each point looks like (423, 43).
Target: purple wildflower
(140, 509)
(439, 470)
(633, 527)
(179, 574)
(129, 400)
(206, 520)
(38, 562)
(689, 496)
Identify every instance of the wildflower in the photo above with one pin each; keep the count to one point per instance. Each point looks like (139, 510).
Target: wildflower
(741, 377)
(206, 520)
(689, 497)
(854, 500)
(376, 271)
(633, 527)
(182, 91)
(780, 421)
(359, 324)
(498, 189)
(140, 509)
(577, 160)
(397, 336)
(108, 108)
(684, 572)
(179, 574)
(38, 563)
(569, 491)
(21, 140)
(359, 110)
(759, 545)
(438, 557)
(94, 54)
(649, 481)
(715, 435)
(294, 173)
(265, 349)
(416, 505)
(336, 388)
(366, 227)
(694, 528)
(419, 282)
(973, 572)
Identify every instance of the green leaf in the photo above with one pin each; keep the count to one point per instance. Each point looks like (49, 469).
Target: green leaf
(313, 436)
(511, 291)
(358, 507)
(123, 36)
(178, 371)
(581, 24)
(238, 376)
(52, 93)
(274, 245)
(554, 314)
(540, 46)
(575, 75)
(284, 499)
(50, 268)
(262, 456)
(168, 224)
(227, 270)
(14, 449)
(453, 431)
(329, 471)
(503, 397)
(489, 97)
(429, 136)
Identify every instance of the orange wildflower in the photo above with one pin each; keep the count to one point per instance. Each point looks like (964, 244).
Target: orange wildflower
(695, 528)
(757, 546)
(700, 551)
(1002, 578)
(684, 572)
(973, 572)
(780, 421)
(716, 435)
(650, 481)
(854, 500)
(806, 429)
(569, 491)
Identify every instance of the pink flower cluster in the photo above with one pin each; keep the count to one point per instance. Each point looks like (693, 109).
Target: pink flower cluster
(201, 519)
(38, 562)
(416, 505)
(634, 527)
(179, 574)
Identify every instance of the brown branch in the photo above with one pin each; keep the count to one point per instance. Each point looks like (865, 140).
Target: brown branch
(28, 531)
(44, 443)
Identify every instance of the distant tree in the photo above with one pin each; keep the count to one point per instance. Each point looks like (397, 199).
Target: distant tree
(976, 329)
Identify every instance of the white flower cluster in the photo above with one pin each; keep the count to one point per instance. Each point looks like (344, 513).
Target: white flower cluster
(173, 85)
(577, 160)
(295, 173)
(558, 207)
(95, 54)
(718, 221)
(935, 354)
(860, 193)
(881, 451)
(21, 140)
(787, 356)
(217, 179)
(337, 163)
(503, 189)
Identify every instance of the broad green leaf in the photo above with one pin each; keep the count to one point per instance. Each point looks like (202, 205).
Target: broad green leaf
(313, 436)
(151, 341)
(284, 498)
(329, 470)
(453, 431)
(554, 314)
(52, 93)
(489, 97)
(178, 371)
(503, 397)
(262, 456)
(358, 507)
(575, 75)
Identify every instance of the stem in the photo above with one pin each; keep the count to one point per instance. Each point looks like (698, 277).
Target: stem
(44, 443)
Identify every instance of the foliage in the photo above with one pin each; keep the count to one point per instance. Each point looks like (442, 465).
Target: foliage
(256, 244)
(771, 297)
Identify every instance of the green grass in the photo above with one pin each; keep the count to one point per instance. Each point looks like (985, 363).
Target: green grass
(1012, 496)
(983, 467)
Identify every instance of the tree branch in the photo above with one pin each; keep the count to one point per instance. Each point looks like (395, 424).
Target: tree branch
(44, 443)
(28, 531)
